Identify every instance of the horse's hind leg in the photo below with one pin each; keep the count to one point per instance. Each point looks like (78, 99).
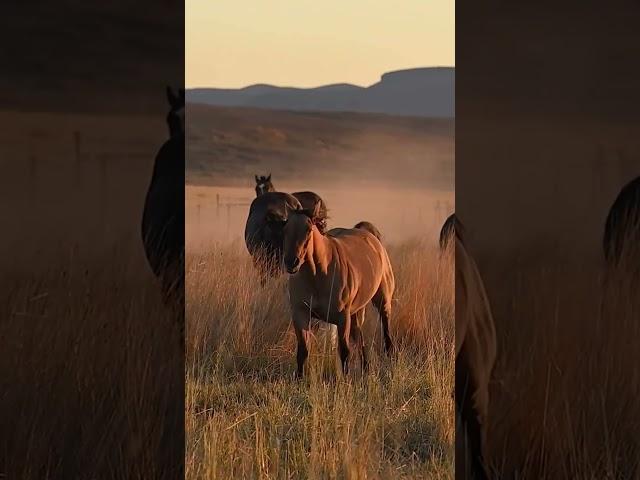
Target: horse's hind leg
(382, 302)
(357, 320)
(344, 332)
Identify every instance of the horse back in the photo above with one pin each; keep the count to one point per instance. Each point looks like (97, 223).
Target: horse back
(475, 329)
(622, 226)
(361, 252)
(448, 230)
(369, 227)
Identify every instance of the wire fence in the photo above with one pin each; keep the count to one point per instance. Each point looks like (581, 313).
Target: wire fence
(223, 215)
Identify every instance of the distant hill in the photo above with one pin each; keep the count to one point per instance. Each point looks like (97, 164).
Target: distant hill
(422, 92)
(91, 57)
(228, 145)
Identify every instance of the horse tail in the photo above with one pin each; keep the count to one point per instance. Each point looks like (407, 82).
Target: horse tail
(369, 227)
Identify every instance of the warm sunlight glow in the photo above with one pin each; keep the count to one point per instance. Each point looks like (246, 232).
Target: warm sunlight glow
(306, 43)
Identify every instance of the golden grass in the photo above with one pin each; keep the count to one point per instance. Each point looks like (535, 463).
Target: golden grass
(246, 416)
(90, 374)
(565, 390)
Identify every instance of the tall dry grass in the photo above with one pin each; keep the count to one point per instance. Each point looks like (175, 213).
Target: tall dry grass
(91, 374)
(567, 382)
(246, 416)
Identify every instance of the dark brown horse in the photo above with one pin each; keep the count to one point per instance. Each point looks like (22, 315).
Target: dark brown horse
(263, 231)
(475, 358)
(163, 216)
(307, 199)
(622, 227)
(333, 278)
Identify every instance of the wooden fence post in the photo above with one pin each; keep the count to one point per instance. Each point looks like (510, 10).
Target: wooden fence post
(33, 177)
(103, 191)
(76, 147)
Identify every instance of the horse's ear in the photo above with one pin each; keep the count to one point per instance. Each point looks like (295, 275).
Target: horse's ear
(257, 179)
(269, 177)
(172, 97)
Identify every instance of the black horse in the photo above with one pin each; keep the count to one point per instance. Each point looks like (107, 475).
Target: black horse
(307, 199)
(622, 227)
(263, 232)
(163, 216)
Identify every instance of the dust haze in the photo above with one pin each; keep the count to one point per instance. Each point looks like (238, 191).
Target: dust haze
(397, 172)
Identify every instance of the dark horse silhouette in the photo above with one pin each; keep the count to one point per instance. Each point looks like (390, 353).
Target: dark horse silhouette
(475, 355)
(264, 231)
(163, 216)
(622, 227)
(307, 199)
(448, 230)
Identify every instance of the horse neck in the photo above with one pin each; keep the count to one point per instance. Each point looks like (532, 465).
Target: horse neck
(319, 252)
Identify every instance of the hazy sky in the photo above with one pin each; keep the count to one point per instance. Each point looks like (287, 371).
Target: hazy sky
(304, 43)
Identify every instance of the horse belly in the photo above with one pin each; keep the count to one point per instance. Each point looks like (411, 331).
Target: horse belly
(364, 288)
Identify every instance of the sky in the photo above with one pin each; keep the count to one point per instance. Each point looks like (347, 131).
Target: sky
(305, 43)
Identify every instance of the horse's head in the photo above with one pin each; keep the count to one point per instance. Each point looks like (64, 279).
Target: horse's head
(297, 233)
(175, 117)
(263, 185)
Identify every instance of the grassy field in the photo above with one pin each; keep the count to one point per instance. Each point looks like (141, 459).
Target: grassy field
(568, 374)
(565, 388)
(91, 374)
(246, 416)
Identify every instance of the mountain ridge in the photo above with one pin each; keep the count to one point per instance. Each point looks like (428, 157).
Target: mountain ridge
(422, 92)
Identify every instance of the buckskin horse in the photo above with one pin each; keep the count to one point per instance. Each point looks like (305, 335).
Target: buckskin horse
(332, 278)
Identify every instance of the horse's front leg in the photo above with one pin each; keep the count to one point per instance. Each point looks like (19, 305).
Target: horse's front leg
(302, 327)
